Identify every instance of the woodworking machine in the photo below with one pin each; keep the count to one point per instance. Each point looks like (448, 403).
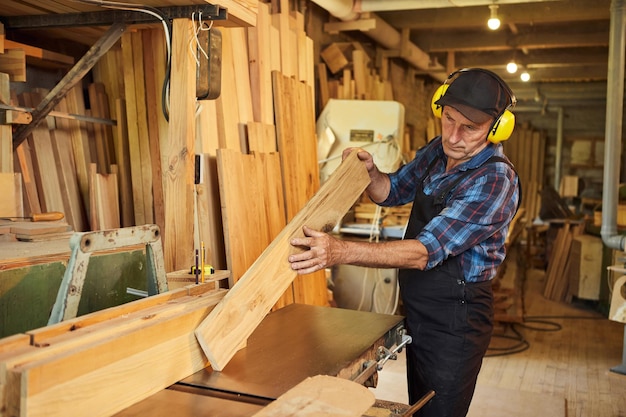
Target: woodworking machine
(290, 345)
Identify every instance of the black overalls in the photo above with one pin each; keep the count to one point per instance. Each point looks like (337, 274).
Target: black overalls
(450, 320)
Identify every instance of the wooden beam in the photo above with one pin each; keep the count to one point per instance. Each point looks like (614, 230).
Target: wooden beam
(82, 67)
(234, 319)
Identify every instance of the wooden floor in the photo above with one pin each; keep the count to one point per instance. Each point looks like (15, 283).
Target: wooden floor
(570, 365)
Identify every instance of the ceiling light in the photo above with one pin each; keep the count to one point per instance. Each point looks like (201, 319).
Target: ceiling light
(525, 76)
(494, 21)
(511, 67)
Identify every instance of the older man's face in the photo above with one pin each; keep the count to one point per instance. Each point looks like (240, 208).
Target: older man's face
(461, 138)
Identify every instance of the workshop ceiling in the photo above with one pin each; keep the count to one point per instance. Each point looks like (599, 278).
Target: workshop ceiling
(563, 44)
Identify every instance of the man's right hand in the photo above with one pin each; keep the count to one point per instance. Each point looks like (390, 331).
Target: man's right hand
(379, 187)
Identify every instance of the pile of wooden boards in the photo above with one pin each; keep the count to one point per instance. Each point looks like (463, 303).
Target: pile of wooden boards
(526, 148)
(557, 280)
(35, 231)
(103, 362)
(353, 74)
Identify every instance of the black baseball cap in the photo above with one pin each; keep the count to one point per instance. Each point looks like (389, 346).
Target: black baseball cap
(477, 95)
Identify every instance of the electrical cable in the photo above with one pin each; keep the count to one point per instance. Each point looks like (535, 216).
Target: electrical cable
(545, 324)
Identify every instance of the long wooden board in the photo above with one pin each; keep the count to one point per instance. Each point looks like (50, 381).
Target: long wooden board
(104, 375)
(252, 297)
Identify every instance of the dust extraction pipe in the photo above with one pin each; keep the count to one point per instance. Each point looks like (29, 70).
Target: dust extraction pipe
(613, 129)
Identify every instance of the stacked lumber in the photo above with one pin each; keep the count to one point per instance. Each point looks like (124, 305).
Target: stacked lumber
(262, 122)
(35, 231)
(526, 150)
(557, 282)
(348, 73)
(95, 364)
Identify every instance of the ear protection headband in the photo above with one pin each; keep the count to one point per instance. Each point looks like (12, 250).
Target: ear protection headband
(502, 127)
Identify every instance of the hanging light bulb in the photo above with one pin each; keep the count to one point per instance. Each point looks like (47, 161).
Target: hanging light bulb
(511, 67)
(494, 22)
(525, 76)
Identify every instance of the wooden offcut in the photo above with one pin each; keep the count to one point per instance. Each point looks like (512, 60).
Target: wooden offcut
(247, 303)
(321, 395)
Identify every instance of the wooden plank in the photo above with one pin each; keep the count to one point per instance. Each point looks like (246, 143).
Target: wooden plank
(281, 22)
(247, 303)
(227, 104)
(142, 123)
(260, 69)
(44, 164)
(152, 62)
(261, 137)
(11, 343)
(72, 200)
(322, 395)
(96, 373)
(297, 144)
(31, 195)
(11, 203)
(209, 213)
(80, 140)
(6, 133)
(179, 154)
(334, 58)
(256, 177)
(324, 94)
(103, 136)
(127, 213)
(105, 211)
(132, 118)
(241, 65)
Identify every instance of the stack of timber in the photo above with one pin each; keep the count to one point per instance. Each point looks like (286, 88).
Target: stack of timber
(557, 281)
(141, 166)
(98, 364)
(526, 150)
(35, 231)
(348, 73)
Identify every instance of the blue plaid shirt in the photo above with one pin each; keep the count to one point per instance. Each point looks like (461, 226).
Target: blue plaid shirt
(477, 213)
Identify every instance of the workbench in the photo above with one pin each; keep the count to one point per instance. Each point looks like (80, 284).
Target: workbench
(290, 344)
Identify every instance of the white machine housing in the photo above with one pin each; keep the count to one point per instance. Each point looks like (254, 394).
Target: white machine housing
(376, 126)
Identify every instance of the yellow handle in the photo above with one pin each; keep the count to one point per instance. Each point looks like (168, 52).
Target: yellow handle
(47, 217)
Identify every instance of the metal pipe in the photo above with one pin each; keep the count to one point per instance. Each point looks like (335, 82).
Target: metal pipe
(388, 5)
(559, 149)
(613, 128)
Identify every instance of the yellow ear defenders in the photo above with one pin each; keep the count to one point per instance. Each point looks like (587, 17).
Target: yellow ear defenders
(502, 127)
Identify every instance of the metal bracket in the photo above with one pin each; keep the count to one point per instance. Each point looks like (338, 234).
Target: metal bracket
(84, 244)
